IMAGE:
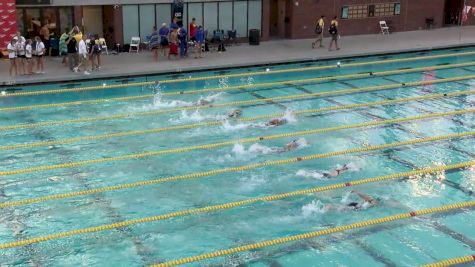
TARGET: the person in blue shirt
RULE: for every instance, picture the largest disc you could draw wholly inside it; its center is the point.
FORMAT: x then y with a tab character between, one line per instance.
182	36
200	41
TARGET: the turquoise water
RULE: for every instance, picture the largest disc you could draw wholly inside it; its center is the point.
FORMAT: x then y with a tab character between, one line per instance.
404	243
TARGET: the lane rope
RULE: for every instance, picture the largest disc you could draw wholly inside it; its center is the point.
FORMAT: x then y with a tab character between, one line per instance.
219	122
214	172
234	103
217	89
307	235
451	262
221	144
231	205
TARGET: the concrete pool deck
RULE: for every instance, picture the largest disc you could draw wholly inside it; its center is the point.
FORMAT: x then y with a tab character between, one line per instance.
276	51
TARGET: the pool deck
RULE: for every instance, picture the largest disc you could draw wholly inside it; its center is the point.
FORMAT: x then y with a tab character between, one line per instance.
276	51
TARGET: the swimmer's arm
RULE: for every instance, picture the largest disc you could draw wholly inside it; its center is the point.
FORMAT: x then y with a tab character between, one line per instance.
363	196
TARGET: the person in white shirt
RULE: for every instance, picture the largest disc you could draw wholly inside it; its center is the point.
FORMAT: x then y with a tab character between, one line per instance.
29	57
11	47
83	55
20	44
40	51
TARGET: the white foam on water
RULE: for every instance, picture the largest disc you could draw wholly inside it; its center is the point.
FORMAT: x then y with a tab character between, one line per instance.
251	183
260	149
227	127
345	197
196	116
314	207
289	116
211	98
309	174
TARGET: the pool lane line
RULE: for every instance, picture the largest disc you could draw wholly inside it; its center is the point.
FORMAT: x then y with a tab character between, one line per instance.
328	231
233	103
105	87
451	262
217	123
230	205
223	89
186	149
241	168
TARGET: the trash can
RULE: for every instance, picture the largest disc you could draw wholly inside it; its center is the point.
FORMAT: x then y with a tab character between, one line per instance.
254	37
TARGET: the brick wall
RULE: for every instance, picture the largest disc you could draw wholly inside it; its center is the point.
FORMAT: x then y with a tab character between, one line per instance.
304	13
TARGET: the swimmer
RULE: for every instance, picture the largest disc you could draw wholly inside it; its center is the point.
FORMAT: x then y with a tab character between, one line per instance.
295	144
368	201
276	122
202	102
235	113
337	171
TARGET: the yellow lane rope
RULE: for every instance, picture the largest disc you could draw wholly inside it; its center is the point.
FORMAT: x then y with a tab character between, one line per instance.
235	204
197	175
234	103
217	89
451	262
103	87
332	230
215	123
221	144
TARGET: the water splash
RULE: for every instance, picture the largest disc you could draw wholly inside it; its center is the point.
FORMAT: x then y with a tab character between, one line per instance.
346	196
227	127
196	116
314	207
428	184
310	174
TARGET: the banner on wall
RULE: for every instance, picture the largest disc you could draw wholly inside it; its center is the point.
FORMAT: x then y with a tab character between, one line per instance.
7	22
178	11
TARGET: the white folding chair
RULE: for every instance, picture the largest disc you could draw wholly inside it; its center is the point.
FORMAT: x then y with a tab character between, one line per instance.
103	44
384	27
134	42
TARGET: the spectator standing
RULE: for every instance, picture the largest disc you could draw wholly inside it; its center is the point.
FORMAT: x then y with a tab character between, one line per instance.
20	45
200	41
71	44
45	35
193	28
173	44
182	34
155	43
174	24
82	55
164	32
333	30
98	51
12	56
29	57
40	53
63	48
319	31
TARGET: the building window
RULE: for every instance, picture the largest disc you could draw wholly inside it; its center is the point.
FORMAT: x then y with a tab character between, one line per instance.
397	9
371	11
374	10
344	12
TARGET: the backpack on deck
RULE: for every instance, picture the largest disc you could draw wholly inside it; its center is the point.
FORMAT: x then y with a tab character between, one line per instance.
318	29
332	30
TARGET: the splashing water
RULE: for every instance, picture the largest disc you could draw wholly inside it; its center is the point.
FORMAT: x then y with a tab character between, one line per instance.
346	196
314	207
196	116
289	116
227	127
254	149
310	174
211	98
428	184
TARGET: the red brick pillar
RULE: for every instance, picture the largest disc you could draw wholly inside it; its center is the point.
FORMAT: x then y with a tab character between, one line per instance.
265	20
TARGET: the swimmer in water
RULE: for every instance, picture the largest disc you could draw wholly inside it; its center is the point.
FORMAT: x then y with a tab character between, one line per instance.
202	102
295	144
276	122
368	201
235	113
337	171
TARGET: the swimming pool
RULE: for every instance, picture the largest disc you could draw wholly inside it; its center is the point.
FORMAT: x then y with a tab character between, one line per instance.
130	172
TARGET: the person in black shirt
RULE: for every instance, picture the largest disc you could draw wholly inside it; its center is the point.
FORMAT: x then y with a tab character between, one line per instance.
72	51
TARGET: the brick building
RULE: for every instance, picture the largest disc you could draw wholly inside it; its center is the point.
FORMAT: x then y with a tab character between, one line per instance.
119	20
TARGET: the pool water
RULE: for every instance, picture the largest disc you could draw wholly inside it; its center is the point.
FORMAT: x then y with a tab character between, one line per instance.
42	168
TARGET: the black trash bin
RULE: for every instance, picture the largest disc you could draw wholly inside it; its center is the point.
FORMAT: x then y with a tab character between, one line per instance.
254	37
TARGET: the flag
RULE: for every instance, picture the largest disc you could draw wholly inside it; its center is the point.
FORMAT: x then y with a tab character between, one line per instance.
8	27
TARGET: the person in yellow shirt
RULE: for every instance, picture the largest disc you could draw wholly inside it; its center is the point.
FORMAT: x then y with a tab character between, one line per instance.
77	34
319	31
333	30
